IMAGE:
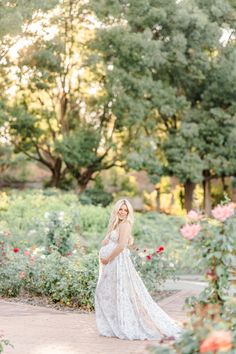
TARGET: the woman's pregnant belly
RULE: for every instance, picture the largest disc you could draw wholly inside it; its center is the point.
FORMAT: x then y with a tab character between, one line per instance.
105	251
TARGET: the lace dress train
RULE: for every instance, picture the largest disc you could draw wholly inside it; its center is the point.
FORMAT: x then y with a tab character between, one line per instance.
123	306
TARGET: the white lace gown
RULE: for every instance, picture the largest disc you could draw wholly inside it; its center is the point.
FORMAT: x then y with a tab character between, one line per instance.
123	306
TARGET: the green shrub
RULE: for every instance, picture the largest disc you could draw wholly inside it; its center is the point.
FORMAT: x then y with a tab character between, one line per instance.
153	264
58	234
23	221
96	197
69	280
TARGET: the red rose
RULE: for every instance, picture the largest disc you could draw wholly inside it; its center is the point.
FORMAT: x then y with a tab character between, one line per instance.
160	249
16	249
148	257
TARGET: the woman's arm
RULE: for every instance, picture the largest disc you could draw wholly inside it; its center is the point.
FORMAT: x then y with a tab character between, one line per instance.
124	234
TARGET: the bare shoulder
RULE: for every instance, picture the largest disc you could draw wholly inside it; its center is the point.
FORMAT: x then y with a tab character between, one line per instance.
125	227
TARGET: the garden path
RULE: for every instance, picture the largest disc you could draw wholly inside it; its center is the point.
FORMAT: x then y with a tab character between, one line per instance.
41	330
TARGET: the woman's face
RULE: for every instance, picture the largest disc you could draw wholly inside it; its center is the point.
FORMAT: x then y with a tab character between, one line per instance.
123	212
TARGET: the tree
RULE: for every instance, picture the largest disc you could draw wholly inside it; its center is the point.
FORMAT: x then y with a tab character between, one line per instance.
161	63
15	17
55	117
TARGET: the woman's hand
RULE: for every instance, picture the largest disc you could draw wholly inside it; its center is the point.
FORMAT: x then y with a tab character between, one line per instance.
104	261
105	242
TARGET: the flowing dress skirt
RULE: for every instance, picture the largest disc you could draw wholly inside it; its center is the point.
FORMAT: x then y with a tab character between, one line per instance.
123	306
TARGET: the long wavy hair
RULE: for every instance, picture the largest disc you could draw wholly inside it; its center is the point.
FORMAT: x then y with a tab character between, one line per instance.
114	218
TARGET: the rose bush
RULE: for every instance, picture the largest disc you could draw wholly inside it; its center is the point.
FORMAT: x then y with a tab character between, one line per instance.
47	236
215	238
68	280
23	224
153	264
212	325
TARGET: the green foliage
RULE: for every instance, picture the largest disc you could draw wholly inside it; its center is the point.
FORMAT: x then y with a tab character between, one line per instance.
216	243
206	322
172	81
80	147
4	342
58	234
153	264
96	195
26	229
14	14
61	279
71	279
212	326
53	117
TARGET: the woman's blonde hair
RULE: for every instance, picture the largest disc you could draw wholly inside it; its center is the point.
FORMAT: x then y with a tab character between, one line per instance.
114	219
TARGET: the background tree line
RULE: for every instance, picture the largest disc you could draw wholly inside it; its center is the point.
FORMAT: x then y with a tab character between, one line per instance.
145	85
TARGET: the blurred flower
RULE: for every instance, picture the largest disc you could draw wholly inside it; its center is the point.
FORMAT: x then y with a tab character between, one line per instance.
223	212
194	216
148	257
217	341
22	275
190	231
32	232
43	256
16	249
69	254
160	249
61	215
141	254
46	215
145	250
27	253
36	250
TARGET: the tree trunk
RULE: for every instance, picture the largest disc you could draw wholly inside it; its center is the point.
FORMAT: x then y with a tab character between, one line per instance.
83	181
56	174
188	194
207	191
225	187
158	199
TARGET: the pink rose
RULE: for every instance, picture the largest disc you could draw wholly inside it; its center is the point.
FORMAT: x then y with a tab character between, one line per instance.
217	341
189	231
193	216
27	253
223	212
22	275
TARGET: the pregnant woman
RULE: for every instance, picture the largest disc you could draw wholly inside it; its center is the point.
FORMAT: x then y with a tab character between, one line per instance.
123	306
